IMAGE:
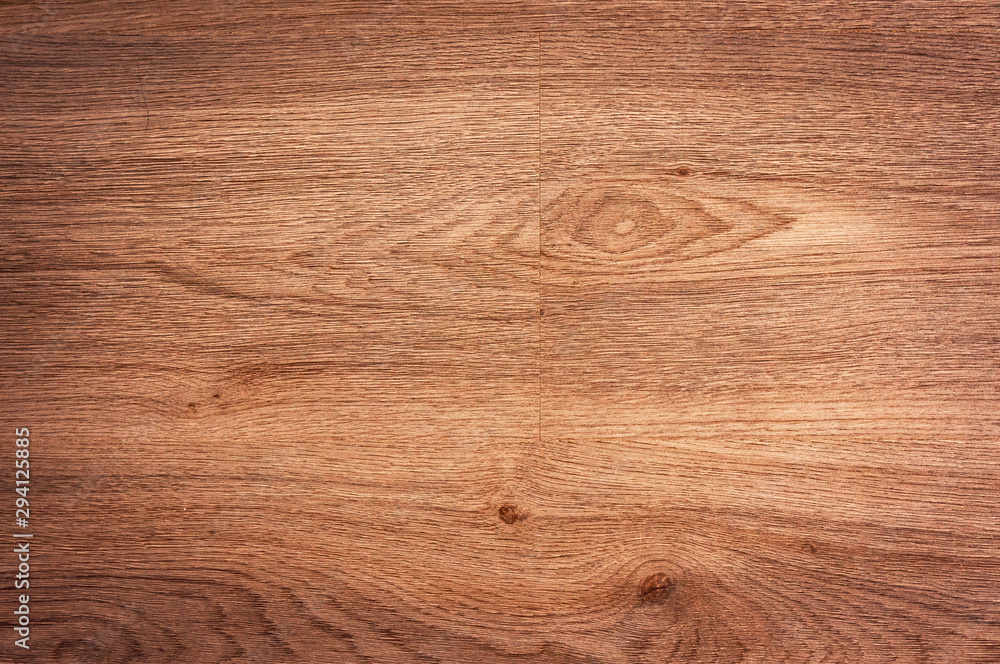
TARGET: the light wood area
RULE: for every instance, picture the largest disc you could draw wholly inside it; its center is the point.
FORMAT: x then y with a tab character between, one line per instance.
549	332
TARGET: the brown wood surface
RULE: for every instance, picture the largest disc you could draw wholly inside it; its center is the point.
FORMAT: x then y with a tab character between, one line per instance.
503	332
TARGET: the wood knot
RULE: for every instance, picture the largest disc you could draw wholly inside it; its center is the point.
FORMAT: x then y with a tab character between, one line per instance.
617	221
656	588
613	225
683	170
509	514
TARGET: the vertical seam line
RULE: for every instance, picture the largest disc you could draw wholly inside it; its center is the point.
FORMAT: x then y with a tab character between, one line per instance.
539	180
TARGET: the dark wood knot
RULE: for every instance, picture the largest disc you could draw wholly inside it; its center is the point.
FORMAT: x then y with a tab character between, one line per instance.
656	588
509	514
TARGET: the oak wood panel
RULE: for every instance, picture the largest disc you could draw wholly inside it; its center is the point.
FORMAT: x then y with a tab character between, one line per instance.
769	301
504	332
246	254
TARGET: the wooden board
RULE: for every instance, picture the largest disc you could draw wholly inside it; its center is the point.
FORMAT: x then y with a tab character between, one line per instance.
502	332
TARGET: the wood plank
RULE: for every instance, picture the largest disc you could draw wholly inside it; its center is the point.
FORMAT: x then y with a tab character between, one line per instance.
549	332
245	275
768	339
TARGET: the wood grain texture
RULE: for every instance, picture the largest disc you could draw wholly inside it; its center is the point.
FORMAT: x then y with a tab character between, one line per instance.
504	332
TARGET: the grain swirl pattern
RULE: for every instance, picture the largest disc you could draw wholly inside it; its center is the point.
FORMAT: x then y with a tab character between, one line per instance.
629	226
